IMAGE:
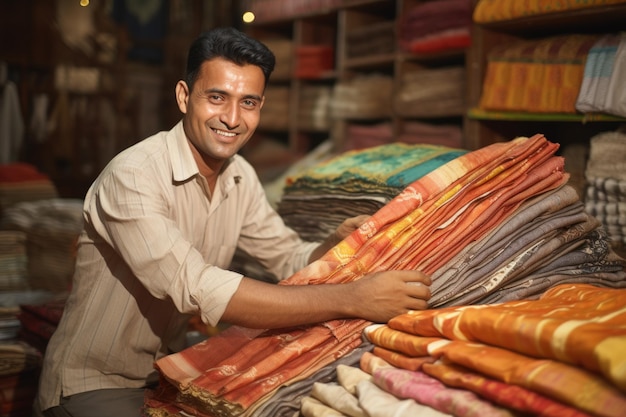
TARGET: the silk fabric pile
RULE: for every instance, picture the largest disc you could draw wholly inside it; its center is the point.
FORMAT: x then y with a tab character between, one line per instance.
445	221
560	355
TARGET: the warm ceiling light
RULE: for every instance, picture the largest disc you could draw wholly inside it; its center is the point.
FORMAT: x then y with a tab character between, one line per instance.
84	3
248	17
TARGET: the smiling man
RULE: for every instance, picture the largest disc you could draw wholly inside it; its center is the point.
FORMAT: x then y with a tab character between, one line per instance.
161	224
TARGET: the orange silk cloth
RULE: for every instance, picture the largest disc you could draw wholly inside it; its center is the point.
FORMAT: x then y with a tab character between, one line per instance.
569	345
422	228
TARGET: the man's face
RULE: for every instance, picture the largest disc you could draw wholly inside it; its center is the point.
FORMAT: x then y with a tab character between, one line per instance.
222	111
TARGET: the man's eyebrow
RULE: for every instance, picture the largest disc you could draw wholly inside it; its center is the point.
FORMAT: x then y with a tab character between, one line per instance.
225	93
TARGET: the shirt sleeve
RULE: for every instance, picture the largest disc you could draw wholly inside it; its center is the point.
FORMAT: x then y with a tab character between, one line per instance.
265	236
130	209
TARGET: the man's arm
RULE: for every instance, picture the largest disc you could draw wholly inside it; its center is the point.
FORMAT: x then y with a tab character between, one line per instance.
376	297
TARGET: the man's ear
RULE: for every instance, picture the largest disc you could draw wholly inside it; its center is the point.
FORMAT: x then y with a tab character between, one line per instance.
182	96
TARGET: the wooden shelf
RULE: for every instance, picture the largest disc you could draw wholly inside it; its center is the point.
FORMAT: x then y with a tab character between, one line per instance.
596	19
480	114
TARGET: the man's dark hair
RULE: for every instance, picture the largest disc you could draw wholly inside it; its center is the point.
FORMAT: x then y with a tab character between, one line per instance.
230	44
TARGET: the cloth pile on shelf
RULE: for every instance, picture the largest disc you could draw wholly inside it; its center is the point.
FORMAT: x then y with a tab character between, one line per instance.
521	75
13	261
449	216
533	357
436	26
39	321
317	200
52	227
605	196
360	136
604	77
20	365
313	107
431	93
372	39
487	11
275	111
314	61
363	97
23	182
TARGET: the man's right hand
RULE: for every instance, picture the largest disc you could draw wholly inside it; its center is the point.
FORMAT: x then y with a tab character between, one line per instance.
386	294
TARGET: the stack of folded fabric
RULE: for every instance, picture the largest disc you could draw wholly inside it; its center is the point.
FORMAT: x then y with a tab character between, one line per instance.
438	92
605	196
23	182
434	134
371	39
521	75
52	227
20	365
604	75
534	357
362	181
465	202
487	11
313	110
13	261
363	97
39	321
436	26
275	112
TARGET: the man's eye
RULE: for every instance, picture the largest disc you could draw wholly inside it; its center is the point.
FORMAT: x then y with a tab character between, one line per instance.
249	103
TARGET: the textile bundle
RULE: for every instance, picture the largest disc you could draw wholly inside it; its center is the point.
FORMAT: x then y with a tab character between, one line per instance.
487	11
606	184
521	76
604	75
431	93
355	182
425	227
19	374
436	26
23	182
276	108
560	355
52	227
360	137
363	97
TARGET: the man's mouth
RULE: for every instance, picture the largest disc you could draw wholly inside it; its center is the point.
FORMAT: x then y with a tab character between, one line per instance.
224	133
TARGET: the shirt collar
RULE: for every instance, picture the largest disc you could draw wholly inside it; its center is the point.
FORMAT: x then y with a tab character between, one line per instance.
184	166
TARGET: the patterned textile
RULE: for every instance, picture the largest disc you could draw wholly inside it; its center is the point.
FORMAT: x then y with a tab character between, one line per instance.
605	74
431	92
359	181
435	26
539	76
418	229
564	343
606	184
498	10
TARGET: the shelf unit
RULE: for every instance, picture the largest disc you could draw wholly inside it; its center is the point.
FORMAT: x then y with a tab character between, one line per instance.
486	127
332	24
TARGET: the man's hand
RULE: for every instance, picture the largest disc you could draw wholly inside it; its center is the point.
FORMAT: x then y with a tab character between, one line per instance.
343	231
387	294
348	226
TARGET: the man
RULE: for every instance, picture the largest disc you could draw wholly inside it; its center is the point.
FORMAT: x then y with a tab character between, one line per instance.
162	222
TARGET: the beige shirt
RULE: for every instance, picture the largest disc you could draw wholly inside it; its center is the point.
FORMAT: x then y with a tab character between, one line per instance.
153	251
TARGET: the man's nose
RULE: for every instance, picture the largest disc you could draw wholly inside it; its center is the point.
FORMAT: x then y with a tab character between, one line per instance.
231	115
